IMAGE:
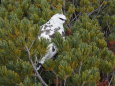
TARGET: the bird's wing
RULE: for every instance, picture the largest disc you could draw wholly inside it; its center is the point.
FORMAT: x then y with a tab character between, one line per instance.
47	26
46	30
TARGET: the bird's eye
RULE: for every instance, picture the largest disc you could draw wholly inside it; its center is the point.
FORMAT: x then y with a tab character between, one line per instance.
62	19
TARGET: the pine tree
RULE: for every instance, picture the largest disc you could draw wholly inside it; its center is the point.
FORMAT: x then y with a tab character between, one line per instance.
82	56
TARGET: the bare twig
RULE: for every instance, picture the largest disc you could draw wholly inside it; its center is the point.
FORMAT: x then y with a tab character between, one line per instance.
111	79
83	84
75	18
95	10
65	82
63	6
33	42
57	83
73	2
80	68
37	74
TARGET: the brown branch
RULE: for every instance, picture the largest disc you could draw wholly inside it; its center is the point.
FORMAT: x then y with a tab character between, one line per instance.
37	74
57	80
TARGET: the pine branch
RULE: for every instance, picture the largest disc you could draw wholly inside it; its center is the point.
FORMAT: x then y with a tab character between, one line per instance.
37	74
96	10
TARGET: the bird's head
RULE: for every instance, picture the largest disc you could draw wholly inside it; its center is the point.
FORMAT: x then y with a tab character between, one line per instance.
59	18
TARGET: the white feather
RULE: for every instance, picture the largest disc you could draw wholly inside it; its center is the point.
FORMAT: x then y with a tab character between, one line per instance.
55	24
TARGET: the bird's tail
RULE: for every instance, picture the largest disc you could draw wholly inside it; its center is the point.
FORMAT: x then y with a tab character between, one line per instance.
39	66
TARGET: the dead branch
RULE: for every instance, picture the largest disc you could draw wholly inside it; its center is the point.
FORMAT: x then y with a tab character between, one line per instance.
37	74
95	10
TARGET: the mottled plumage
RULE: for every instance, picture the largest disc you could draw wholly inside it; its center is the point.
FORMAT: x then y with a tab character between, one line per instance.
55	24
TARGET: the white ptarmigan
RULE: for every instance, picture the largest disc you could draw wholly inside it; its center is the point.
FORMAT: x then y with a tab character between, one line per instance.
55	24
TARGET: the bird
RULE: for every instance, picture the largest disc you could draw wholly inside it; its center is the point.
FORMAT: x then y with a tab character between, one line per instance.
47	31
